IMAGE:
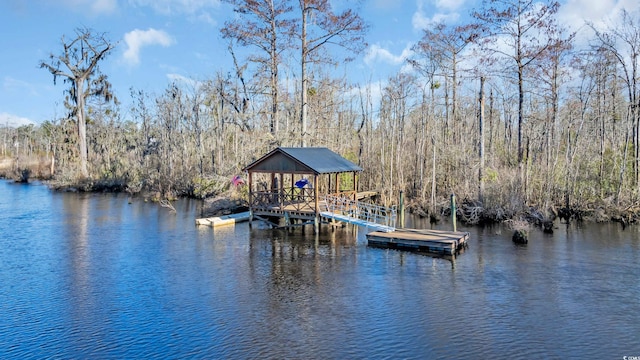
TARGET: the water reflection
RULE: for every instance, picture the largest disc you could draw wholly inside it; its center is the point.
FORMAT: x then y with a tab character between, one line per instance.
94	276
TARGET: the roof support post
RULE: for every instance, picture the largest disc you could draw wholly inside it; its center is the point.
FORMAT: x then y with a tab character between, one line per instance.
355	186
250	198
281	194
292	189
316	223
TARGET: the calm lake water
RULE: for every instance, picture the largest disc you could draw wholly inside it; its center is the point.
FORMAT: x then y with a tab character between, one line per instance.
94	276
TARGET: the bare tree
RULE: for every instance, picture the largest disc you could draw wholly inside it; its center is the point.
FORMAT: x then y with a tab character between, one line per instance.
481	142
267	26
622	40
519	31
319	27
440	49
551	71
80	57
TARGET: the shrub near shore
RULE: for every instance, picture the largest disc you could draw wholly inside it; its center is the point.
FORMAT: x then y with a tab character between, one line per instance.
473	213
215	191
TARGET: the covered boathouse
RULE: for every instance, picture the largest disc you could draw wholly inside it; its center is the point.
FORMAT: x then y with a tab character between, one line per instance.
291	183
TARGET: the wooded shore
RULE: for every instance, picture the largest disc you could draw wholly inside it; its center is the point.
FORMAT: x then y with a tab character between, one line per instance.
508	111
231	200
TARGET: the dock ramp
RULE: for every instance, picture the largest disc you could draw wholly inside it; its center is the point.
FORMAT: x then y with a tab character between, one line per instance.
379	218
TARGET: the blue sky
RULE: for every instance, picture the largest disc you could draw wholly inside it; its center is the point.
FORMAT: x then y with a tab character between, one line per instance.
160	41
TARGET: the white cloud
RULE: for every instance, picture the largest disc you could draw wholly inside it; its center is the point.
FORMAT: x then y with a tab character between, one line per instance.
168	7
104	6
12	84
447	13
205	17
602	14
407	69
137	39
180	79
94	7
377	53
193	10
451	5
420	21
370	93
14	120
574	13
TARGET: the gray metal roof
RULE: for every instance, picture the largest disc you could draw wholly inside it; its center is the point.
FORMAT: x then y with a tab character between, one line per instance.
317	160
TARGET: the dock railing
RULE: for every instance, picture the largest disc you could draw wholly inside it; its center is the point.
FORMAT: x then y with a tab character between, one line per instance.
371	213
296	199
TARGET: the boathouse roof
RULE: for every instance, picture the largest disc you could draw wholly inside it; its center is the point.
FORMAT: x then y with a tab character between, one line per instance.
307	160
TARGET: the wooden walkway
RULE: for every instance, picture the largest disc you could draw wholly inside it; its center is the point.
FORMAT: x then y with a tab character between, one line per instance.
434	241
356	221
343	209
360	213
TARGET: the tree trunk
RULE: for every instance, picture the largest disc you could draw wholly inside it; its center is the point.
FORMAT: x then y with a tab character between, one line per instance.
274	84
520	124
303	97
82	126
454	93
481	147
433	175
491	120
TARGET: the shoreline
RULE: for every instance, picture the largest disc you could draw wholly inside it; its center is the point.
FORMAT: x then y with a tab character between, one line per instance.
468	212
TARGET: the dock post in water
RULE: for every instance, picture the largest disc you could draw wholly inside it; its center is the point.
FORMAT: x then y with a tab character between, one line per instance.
401	208
453	211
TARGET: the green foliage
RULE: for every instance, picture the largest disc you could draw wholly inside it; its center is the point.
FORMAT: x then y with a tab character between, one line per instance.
351	156
206	187
242	192
490	175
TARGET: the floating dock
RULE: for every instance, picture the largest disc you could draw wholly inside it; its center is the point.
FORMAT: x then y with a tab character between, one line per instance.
433	241
230	219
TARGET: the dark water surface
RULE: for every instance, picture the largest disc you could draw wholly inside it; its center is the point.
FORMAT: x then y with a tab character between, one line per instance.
93	276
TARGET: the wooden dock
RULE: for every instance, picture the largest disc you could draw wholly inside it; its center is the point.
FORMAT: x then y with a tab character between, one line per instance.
433	241
230	219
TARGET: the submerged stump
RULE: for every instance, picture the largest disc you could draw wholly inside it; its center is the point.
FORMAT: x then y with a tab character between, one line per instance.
520	237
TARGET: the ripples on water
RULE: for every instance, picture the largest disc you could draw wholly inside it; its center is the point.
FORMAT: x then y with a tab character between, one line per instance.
92	276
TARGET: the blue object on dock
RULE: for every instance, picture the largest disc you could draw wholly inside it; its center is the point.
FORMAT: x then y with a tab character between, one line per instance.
302	183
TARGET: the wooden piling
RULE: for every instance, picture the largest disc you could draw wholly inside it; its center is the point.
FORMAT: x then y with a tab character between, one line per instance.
453	211
401	208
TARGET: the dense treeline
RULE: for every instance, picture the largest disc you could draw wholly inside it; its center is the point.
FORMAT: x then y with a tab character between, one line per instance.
510	112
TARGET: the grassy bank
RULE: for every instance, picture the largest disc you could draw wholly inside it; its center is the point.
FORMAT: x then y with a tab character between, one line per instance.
26	168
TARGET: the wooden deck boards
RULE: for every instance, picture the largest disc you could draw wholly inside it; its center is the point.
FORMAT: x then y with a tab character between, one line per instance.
432	241
437	241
